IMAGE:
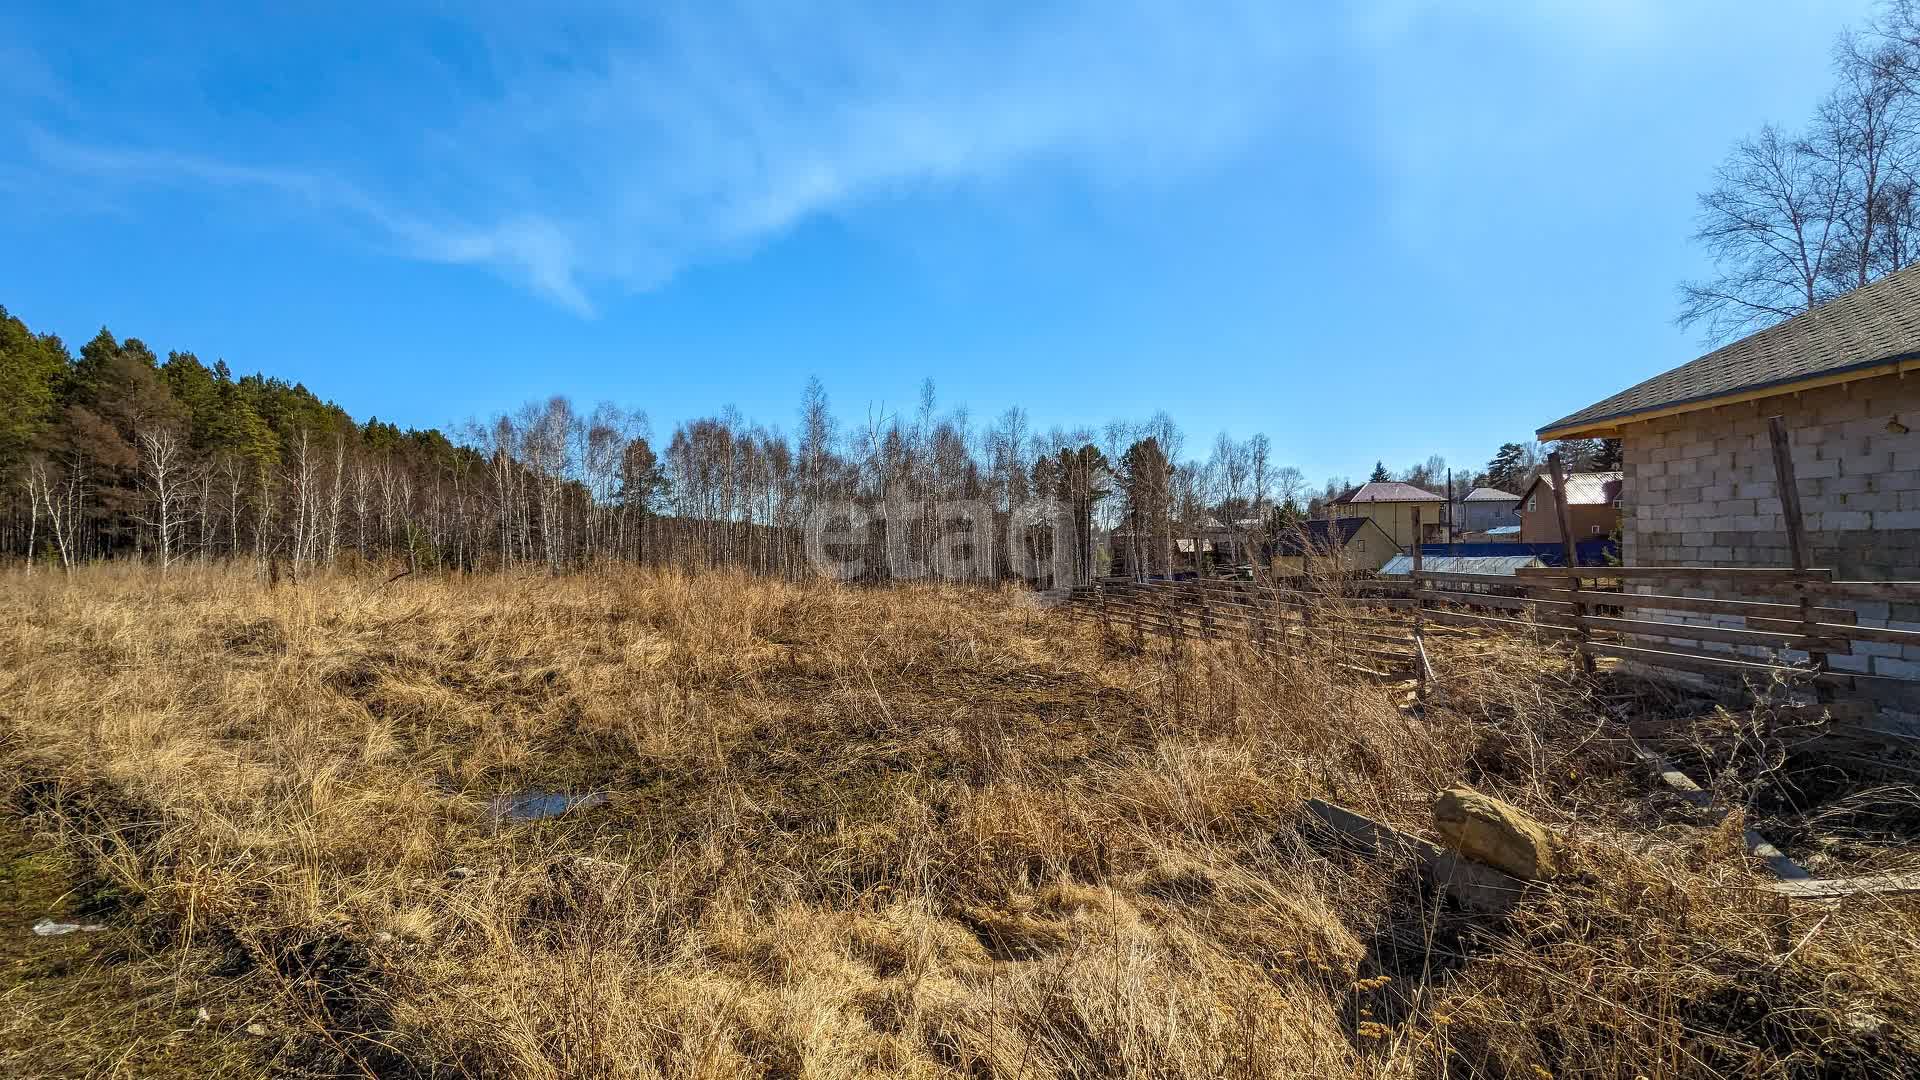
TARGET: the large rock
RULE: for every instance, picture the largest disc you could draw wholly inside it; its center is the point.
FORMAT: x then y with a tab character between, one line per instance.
1489	831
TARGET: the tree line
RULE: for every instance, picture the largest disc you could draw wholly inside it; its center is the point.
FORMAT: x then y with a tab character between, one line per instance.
118	453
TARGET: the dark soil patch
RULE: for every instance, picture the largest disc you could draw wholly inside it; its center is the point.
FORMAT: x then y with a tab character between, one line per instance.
92	1003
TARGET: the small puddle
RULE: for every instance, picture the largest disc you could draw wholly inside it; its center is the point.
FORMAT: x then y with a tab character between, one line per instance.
539	805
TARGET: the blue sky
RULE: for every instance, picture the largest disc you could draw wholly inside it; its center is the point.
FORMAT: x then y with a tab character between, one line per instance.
1414	228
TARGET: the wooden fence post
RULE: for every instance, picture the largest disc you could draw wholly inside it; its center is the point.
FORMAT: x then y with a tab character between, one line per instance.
1419	632
1572	554
1306	620
1176	619
1783	479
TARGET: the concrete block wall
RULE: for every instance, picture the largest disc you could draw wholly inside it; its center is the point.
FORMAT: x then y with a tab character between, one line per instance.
1700	491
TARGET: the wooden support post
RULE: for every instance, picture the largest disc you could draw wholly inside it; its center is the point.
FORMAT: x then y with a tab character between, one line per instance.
1176	620
1571	553
1419	631
1783	479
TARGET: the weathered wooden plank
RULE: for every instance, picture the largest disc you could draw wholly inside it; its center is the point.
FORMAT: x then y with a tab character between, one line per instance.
1845	632
1707	604
1893	883
1784	639
1891	591
1381	658
1461	618
1386	635
1393	672
1856	681
1747	574
1488	600
1691	661
1469	579
1389	603
1838	713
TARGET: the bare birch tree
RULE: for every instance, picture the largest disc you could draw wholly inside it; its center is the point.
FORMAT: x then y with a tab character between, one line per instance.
1771	225
166	479
1793	220
63	491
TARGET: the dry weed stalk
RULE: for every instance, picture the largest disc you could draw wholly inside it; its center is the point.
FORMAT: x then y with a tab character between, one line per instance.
911	831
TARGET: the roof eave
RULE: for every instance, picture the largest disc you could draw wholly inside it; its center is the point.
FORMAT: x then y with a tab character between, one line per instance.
1609	425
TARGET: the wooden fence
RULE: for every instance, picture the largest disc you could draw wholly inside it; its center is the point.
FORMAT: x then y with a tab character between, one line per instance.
1586	608
1376	632
1783	623
1769	624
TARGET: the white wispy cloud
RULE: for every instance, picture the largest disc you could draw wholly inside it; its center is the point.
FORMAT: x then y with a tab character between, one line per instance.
532	250
601	150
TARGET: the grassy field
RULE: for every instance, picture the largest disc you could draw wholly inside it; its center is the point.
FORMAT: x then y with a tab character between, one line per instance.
918	831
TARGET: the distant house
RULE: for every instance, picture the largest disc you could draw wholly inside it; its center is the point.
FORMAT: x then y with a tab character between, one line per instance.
1199	546
1485	509
1593	507
1392	505
1350	545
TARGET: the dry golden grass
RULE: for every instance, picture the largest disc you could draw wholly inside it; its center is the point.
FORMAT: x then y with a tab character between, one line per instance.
917	831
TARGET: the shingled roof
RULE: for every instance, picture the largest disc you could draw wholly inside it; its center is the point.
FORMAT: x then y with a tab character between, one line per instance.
1874	327
1323	534
1389	491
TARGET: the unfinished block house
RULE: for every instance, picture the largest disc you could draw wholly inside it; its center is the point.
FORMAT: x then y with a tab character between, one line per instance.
1698	488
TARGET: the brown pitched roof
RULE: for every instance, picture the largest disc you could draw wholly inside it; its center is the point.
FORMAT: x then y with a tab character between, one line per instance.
1389	491
1874	326
1586	488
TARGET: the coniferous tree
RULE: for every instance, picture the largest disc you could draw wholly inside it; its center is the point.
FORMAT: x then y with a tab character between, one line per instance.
114	453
